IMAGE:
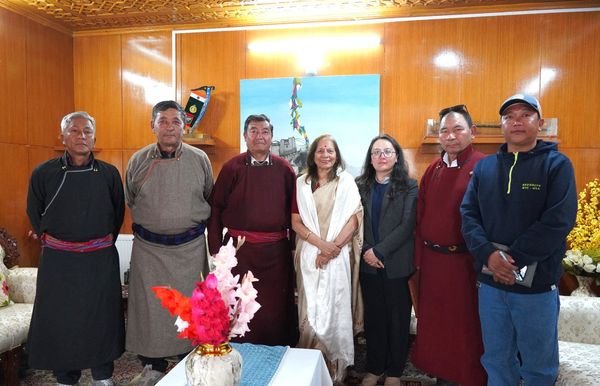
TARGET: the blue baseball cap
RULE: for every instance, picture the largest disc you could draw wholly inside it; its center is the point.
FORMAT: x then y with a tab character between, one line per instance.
525	99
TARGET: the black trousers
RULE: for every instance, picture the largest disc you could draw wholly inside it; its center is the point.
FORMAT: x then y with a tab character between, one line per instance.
387	305
71	377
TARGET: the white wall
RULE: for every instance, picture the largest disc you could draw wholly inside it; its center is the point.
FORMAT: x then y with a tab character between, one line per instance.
124	243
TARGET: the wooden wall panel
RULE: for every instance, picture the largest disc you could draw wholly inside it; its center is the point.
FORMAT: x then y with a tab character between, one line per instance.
345	62
97	86
402	85
586	163
570	47
215	59
13	197
146	71
499	62
36	76
417	162
490	69
13	77
114	157
50	83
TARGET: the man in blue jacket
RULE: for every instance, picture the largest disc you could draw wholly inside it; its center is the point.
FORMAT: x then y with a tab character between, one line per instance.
518	209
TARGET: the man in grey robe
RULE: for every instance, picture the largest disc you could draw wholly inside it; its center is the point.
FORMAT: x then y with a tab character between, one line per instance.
167	186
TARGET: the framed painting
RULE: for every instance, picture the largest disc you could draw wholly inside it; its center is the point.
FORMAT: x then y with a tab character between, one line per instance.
301	109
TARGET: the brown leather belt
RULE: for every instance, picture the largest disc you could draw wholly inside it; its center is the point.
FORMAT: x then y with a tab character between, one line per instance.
447	249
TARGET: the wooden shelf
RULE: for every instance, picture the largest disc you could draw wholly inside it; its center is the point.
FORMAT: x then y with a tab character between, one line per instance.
493	139
199	141
489	143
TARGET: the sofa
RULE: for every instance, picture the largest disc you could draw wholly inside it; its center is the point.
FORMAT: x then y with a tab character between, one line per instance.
15	314
579	341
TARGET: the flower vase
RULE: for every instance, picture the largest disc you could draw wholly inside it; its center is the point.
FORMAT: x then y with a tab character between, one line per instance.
585	286
210	365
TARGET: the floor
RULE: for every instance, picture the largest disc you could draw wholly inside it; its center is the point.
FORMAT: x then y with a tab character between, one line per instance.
127	366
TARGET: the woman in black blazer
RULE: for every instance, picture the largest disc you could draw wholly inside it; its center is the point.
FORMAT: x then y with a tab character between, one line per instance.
389	199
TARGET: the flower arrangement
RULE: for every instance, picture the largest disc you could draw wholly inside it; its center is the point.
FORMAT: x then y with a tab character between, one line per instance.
220	307
583	257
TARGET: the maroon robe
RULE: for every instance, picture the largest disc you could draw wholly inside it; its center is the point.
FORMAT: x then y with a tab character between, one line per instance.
258	199
448	343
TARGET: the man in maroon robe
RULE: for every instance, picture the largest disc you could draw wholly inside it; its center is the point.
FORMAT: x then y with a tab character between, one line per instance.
252	198
448	343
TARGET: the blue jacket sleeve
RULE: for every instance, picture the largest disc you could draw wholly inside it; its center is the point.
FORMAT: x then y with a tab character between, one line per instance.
472	224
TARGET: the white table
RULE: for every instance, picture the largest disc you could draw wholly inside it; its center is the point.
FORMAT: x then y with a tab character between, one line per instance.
299	367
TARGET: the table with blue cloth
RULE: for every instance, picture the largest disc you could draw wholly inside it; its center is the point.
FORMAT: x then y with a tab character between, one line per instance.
269	365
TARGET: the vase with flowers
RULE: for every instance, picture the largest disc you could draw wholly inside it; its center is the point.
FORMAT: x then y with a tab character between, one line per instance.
583	258
220	308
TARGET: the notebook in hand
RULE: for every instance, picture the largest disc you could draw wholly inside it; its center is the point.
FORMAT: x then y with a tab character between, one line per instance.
524	276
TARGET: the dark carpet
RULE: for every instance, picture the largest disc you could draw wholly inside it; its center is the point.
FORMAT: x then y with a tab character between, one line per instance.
127	367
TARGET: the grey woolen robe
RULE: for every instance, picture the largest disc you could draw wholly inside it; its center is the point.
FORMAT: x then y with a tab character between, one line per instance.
166	196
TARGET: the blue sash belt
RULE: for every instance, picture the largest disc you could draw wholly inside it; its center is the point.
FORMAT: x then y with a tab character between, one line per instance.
177	239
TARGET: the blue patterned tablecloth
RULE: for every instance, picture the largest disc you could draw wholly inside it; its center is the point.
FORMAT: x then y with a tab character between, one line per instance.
260	362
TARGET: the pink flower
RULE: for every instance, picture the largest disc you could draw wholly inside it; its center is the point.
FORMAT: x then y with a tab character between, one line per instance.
5	288
210	316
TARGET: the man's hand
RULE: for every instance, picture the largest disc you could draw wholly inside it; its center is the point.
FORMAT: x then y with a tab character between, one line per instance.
371	259
503	270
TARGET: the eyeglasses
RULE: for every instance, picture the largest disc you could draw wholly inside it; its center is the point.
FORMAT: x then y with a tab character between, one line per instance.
453	109
386	153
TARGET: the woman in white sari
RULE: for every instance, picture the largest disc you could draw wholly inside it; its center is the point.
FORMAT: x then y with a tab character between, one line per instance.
328	224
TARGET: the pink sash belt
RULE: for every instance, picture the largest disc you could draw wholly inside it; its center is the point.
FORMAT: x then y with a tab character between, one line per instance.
259	237
82	246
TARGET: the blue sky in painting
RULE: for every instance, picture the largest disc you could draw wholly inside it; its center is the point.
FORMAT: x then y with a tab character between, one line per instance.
346	107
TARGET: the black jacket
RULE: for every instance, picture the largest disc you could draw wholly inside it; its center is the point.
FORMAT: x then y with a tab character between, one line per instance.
396	231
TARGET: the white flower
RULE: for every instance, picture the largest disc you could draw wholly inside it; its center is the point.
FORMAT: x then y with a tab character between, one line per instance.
247	305
240	297
181	324
578	263
224	261
572	252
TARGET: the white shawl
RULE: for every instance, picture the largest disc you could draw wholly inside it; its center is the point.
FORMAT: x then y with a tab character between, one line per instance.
328	291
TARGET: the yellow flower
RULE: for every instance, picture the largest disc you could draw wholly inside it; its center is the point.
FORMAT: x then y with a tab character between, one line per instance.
585	236
584	239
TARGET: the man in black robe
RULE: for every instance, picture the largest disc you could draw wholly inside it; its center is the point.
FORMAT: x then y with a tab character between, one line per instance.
75	204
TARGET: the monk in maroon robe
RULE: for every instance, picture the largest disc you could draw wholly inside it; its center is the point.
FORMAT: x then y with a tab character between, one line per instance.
448	343
252	198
